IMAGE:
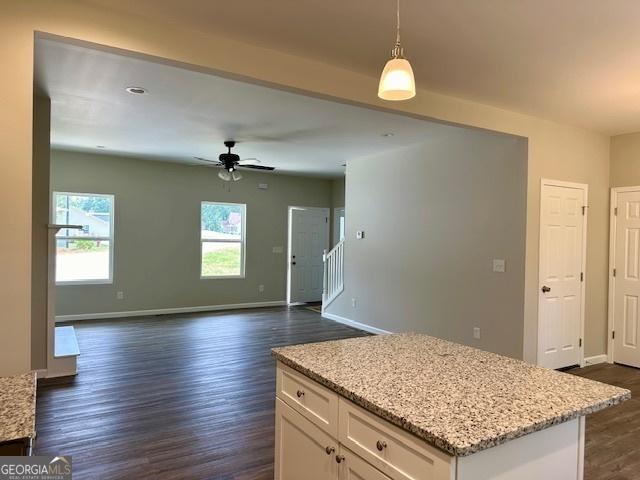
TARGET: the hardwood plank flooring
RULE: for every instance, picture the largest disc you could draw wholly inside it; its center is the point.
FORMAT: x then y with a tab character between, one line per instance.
192	397
174	397
612	443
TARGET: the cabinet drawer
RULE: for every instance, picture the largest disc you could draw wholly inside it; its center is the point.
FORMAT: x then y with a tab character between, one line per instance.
395	452
309	398
353	467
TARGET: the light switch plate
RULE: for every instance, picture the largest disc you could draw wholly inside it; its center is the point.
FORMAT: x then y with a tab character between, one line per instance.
277	250
263	186
499	265
360	234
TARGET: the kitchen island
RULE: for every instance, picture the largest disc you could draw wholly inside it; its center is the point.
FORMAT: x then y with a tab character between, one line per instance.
410	407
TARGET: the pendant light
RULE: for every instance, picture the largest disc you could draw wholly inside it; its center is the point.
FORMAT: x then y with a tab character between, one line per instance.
396	81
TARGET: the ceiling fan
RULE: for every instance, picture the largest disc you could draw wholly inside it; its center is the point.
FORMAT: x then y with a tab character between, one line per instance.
230	162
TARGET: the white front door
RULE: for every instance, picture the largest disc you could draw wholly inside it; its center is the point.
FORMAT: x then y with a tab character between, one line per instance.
308	238
626	282
562	250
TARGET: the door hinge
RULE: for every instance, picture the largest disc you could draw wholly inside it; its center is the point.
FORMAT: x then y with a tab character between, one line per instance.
613	334
582	276
615	211
580	343
614	272
326	219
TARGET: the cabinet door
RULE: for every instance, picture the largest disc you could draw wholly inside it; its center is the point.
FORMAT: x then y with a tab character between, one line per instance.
303	451
352	467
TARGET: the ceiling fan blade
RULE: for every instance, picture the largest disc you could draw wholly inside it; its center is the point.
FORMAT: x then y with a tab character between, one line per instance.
257	167
206	160
248	161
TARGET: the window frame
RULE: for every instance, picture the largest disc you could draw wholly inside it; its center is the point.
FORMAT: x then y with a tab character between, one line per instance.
110	238
242	241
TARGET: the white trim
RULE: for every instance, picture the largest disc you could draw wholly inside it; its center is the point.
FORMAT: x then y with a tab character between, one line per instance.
579	186
110	238
354	324
612	262
336	224
242	241
166	311
595	359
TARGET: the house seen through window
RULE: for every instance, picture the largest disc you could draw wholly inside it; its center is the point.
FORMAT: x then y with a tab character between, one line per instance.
222	239
84	255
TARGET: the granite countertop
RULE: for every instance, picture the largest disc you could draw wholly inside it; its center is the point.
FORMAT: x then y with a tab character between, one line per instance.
457	398
17	407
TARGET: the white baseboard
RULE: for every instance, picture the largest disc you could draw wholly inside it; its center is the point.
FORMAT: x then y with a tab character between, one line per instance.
166	311
354	324
595	359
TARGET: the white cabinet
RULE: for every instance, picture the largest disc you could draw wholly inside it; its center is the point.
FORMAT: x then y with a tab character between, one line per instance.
322	436
303	451
352	467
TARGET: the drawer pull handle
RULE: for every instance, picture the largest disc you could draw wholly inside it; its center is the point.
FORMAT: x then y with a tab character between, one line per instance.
339	458
381	445
300	393
330	450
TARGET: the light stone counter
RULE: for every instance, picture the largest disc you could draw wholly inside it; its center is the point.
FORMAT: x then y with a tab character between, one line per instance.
457	398
17	407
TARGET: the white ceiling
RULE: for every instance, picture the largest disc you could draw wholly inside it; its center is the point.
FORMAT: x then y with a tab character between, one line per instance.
188	114
576	61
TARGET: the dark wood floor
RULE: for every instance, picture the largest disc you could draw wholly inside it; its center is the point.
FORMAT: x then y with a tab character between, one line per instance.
186	396
192	397
612	446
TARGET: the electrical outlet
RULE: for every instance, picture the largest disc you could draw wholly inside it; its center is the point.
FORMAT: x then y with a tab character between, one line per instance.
499	265
261	288
120	295
353	302
476	333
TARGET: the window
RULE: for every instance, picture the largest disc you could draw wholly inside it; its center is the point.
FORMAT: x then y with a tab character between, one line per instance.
84	255
222	236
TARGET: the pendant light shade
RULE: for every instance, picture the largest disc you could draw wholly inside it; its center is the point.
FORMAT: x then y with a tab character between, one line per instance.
224	175
397	81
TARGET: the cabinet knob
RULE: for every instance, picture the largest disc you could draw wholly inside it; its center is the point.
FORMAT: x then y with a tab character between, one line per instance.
300	393
381	445
329	450
340	458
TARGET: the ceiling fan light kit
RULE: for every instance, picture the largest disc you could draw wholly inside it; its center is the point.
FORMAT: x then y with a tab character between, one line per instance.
397	81
230	162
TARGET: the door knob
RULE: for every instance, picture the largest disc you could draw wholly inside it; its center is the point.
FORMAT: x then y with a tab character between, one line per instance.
293	263
546	289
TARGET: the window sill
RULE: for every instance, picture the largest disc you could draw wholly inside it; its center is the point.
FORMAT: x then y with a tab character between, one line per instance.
220	277
84	282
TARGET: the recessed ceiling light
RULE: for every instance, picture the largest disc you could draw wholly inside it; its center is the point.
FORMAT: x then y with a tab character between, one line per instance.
137	90
388	134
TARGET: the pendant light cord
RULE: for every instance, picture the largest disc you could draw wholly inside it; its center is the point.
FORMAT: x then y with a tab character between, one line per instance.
397	49
398	23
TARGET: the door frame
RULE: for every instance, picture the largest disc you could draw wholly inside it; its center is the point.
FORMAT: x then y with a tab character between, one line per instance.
336	225
290	209
585	188
612	260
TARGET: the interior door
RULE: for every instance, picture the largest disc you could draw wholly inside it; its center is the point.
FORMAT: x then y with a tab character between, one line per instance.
627	279
303	451
562	225
309	237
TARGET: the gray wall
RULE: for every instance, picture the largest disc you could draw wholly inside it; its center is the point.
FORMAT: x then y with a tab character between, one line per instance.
157	222
439	217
